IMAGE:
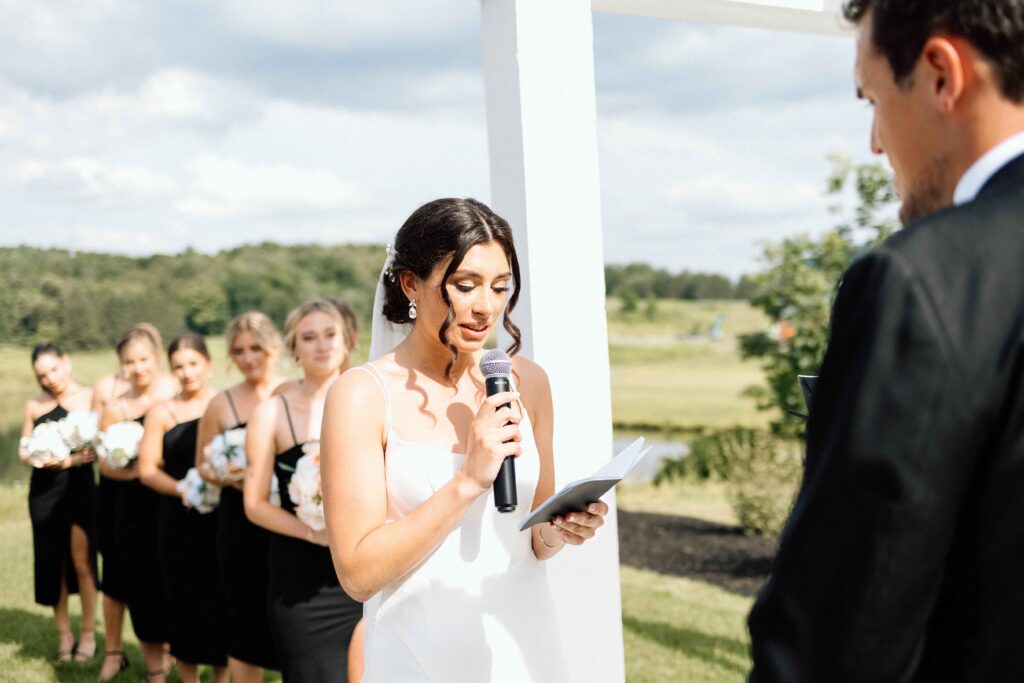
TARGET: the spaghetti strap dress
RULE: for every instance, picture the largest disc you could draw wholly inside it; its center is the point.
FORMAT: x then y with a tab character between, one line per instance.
188	542
477	608
136	531
58	500
311	615
242	549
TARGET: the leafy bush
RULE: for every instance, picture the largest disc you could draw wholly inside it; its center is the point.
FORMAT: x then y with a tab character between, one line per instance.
761	472
800	282
766	474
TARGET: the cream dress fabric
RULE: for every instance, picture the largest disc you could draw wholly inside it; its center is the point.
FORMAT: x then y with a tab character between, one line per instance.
478	608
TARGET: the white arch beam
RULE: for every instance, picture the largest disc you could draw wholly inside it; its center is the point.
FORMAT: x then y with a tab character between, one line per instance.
800	16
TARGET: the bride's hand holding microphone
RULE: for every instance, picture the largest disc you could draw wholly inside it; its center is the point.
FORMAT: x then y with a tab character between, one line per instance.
493	436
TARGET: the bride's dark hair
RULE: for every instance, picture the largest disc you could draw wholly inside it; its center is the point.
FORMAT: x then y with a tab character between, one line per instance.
434	232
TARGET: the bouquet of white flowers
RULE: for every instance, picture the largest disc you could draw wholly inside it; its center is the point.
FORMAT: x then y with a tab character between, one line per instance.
197	493
304	488
80	429
225	455
119	445
46	445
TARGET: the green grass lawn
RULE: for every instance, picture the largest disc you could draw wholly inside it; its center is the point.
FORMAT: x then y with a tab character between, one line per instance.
703	500
677	629
674	629
664	376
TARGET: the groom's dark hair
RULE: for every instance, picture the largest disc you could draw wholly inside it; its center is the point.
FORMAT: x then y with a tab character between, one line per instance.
442	229
900	29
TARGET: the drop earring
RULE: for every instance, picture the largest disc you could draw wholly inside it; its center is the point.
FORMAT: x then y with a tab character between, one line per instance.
412	309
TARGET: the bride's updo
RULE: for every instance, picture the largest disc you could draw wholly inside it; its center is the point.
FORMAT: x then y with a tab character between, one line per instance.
434	232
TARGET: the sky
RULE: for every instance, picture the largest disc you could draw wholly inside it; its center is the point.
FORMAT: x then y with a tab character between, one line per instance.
143	127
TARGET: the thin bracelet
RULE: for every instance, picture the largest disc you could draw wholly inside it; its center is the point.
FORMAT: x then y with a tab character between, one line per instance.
540	532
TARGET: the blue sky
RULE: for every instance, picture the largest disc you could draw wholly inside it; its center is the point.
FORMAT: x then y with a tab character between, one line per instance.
150	127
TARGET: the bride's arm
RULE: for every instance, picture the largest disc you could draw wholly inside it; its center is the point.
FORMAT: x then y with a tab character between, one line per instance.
549	538
369	553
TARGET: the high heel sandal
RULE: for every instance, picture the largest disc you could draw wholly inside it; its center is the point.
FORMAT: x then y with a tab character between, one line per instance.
64	656
78	655
122	665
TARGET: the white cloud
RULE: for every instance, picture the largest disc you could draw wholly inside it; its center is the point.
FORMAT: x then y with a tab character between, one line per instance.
680	46
154	126
724	195
87	178
227	188
327	24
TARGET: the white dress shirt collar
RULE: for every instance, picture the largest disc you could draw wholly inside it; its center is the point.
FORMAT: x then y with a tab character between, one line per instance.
987	166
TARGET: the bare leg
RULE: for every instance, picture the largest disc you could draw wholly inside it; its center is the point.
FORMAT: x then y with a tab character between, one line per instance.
220	674
189	672
243	672
153	654
86	592
113	625
355	654
65	638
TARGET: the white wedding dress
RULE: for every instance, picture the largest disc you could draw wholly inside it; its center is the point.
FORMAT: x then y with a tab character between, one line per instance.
478	608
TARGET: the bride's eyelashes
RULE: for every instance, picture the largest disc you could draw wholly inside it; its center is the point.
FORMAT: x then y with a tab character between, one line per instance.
466	288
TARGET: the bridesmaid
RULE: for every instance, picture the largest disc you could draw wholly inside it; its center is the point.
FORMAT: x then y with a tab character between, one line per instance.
311	617
186	538
61	503
111	387
254	346
125	510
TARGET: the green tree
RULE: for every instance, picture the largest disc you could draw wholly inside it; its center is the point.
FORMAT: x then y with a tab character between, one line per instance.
799	285
205	306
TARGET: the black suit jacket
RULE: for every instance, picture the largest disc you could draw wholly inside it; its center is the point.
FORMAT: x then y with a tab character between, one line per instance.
903	559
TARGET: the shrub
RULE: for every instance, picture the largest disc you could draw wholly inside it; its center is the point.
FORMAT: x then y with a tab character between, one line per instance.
761	472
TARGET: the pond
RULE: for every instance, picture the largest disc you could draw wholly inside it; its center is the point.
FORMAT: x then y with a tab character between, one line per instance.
661	449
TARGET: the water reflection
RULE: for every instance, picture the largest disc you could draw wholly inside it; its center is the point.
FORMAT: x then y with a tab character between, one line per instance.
660	450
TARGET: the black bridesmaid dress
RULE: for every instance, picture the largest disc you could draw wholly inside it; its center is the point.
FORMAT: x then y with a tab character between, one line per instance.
242	549
188	541
58	500
114	580
311	616
136	533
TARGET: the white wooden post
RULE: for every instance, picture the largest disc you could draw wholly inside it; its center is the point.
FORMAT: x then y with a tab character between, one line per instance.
541	120
541	117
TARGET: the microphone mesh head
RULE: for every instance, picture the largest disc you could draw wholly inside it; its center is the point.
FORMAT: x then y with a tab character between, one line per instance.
496	363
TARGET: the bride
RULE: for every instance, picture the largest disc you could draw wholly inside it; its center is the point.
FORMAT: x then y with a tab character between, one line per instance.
410	448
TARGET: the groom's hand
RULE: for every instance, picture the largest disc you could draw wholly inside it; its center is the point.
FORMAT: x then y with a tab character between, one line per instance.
577	527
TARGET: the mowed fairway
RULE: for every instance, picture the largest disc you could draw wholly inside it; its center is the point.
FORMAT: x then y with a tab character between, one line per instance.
668	373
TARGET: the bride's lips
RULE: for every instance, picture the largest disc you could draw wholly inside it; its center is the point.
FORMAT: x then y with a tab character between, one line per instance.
478	332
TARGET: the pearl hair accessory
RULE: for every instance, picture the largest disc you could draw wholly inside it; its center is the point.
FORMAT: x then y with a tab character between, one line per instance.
389	261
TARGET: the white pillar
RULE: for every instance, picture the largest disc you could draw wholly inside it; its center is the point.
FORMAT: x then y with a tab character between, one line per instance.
541	119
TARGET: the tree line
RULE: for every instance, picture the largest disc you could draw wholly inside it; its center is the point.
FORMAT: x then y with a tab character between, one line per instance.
643	281
83	300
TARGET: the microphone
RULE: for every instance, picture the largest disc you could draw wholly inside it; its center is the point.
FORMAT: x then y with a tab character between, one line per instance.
496	367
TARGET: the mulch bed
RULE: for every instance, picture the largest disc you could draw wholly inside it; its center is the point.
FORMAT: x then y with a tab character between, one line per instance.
683	546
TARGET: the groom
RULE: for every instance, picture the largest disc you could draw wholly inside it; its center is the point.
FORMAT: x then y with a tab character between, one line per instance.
903	559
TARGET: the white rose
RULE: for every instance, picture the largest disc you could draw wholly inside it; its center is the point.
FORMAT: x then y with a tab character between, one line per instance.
46	444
